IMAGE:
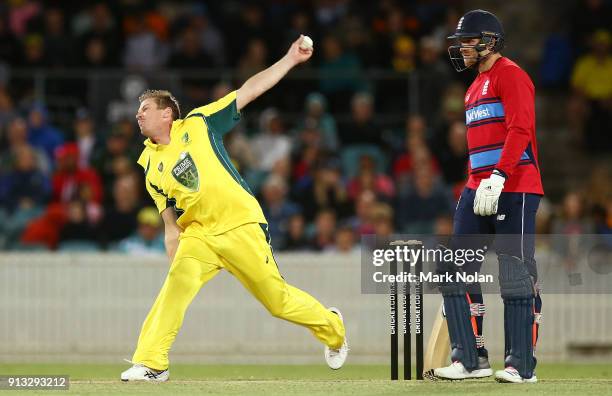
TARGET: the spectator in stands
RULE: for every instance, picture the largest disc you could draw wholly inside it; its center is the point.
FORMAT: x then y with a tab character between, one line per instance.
24	190
271	144
98	24
368	178
382	219
362	223
452	110
24	186
325	190
316	115
254	60
58	42
415	150
325	230
17	137
118	149
41	134
362	128
341	74
453	155
251	20
148	238
443	225
70	180
33	51
190	56
572	220
421	201
296	239
44	231
592	82
211	38
277	208
9	45
143	49
120	218
96	54
77	226
587	17
86	139
7	108
434	76
345	241
404	54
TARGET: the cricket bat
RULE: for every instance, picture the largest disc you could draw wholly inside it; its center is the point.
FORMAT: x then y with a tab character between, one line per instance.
438	345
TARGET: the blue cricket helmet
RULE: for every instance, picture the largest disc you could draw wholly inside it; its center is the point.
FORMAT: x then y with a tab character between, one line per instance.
479	24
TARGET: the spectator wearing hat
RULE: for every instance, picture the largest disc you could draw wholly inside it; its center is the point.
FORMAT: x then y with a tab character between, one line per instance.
148	238
70	181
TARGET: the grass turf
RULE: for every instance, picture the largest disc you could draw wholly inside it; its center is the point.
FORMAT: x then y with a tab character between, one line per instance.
354	380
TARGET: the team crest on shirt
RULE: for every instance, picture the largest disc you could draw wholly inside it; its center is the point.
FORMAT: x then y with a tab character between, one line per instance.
186	173
485	88
185	139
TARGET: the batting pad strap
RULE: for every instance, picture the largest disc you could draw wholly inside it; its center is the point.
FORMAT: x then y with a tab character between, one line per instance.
480	341
477	309
537	318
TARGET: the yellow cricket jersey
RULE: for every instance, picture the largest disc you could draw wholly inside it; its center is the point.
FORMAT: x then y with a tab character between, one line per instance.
194	174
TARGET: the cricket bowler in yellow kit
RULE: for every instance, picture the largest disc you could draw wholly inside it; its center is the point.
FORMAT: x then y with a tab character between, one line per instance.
213	221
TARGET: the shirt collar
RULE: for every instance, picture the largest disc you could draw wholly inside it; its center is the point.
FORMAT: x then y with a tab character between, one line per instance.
157	147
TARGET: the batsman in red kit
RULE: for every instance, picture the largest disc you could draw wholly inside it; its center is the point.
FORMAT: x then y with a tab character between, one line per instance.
501	197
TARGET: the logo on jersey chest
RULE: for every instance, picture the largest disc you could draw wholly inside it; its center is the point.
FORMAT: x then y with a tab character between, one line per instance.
186	139
485	88
186	173
477	113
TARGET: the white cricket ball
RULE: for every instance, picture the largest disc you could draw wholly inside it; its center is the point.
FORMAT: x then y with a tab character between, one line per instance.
306	43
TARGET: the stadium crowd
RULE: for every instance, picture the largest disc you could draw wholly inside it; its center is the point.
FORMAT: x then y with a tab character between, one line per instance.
325	155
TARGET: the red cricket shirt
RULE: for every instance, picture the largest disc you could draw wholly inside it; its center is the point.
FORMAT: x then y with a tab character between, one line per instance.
500	119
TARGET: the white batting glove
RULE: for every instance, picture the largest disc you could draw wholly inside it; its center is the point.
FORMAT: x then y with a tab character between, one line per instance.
487	195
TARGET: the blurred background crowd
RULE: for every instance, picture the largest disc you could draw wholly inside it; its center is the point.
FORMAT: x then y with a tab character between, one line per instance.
367	138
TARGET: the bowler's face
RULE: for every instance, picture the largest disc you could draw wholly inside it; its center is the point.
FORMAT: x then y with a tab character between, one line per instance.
149	117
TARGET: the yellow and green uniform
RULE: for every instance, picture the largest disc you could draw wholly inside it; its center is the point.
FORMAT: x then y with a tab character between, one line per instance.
218	213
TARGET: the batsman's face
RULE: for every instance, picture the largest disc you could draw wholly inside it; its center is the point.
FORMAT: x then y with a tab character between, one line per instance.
469	53
150	117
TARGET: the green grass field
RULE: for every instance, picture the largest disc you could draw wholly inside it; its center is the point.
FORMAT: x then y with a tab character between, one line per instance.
354	380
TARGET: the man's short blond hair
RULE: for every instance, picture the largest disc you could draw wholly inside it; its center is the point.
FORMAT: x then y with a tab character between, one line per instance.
163	99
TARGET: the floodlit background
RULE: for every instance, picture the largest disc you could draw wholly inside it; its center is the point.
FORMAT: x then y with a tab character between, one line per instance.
367	137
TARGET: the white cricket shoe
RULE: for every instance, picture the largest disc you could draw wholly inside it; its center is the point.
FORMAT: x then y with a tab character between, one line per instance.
456	371
510	375
335	358
140	372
